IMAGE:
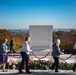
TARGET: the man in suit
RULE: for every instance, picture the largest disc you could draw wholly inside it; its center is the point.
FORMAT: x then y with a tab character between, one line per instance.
56	53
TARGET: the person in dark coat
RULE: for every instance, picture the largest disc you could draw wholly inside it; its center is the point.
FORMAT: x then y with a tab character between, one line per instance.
56	53
74	53
11	45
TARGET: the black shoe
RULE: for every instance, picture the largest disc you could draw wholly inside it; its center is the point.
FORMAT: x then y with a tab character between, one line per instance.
28	72
20	72
73	69
56	71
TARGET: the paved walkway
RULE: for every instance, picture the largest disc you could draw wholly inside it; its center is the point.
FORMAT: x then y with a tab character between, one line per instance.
39	72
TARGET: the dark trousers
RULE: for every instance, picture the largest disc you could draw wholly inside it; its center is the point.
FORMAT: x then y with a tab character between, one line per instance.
55	64
74	66
25	60
11	48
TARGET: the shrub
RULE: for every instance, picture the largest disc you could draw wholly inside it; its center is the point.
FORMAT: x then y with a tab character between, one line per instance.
44	65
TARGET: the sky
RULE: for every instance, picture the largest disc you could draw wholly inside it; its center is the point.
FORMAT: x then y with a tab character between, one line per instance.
19	14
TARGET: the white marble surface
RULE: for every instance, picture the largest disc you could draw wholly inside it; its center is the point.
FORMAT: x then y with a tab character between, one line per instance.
41	36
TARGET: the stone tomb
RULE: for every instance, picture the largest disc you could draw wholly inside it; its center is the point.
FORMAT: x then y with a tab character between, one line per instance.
41	37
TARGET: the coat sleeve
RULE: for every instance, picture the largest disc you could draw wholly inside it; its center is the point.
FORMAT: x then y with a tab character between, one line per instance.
58	50
4	48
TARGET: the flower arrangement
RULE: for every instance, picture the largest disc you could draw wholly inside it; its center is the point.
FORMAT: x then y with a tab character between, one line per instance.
30	61
12	63
38	64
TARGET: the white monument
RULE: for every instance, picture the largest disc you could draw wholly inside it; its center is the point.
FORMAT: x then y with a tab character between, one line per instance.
41	37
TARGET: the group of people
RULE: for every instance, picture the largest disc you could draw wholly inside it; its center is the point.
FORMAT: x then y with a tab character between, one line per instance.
25	55
55	53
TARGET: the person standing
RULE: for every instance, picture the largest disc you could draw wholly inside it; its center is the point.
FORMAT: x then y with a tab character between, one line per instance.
3	54
74	53
11	45
56	53
25	55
